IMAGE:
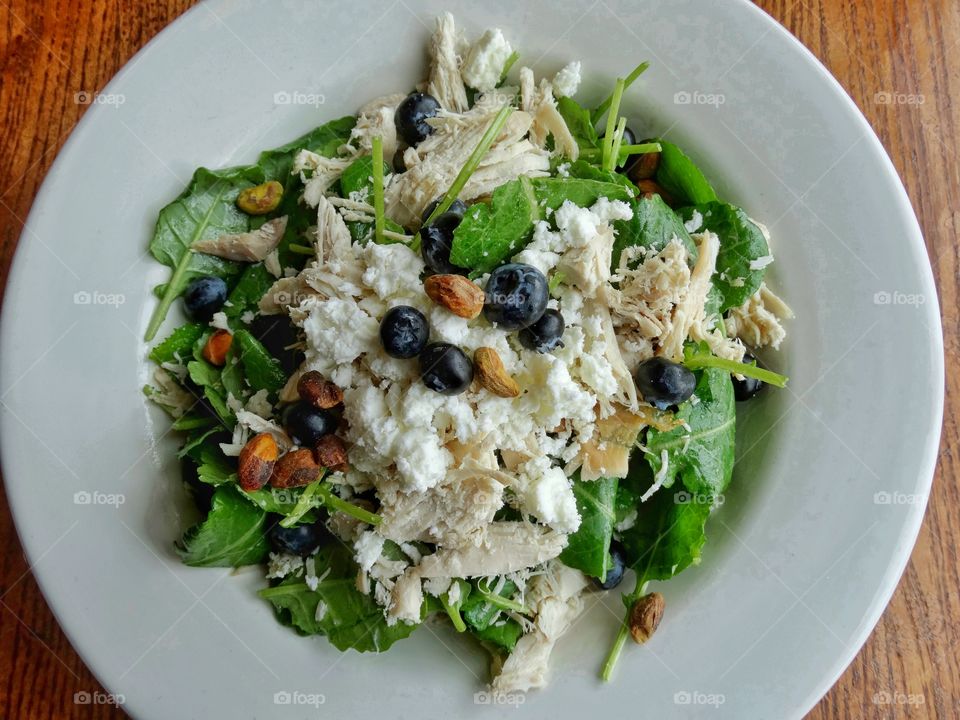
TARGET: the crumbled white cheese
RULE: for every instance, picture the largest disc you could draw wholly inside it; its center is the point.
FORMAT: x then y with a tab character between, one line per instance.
695	222
367	549
761	262
567	81
393	271
338	332
321	611
280	565
548	495
219	321
483	66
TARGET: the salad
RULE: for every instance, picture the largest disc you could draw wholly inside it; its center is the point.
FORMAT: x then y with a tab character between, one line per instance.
469	357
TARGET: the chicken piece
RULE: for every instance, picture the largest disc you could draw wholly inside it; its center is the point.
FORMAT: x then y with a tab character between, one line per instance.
547	120
332	236
447	514
445	83
251	246
169	395
376	119
607	453
284	293
503	547
406	599
627	389
528	90
588	266
442	155
758	322
556	597
689	312
318	173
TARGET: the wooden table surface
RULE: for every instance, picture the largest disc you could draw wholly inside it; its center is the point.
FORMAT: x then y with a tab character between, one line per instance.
879	50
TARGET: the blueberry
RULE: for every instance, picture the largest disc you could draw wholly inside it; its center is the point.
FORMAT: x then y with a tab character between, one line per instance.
404	332
516	296
279	335
306	424
411	117
663	383
458	207
301	540
617	568
436	239
204	296
748	387
544	335
445	369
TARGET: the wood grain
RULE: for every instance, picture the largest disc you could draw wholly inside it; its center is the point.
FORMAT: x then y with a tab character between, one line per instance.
52	50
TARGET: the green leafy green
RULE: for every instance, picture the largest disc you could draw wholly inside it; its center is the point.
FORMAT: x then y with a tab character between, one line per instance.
357	180
702	457
245	296
232	535
179	344
214	468
263	371
502	634
489	234
681	178
741	244
579	122
698	356
324	140
482	607
653	226
588	549
209	379
350	618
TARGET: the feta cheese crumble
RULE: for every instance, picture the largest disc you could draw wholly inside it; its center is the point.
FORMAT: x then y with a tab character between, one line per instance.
484	64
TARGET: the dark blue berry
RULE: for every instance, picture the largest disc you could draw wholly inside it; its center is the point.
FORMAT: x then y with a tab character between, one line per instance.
458	207
748	387
301	540
618	567
411	117
436	240
204	296
544	335
663	383
445	369
404	332
306	424
517	296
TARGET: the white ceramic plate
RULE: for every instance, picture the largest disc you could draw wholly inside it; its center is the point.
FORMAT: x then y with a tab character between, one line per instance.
832	477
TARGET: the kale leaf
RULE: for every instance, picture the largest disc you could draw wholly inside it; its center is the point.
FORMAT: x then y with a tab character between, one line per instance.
232	535
588	549
490	234
741	243
263	371
350	618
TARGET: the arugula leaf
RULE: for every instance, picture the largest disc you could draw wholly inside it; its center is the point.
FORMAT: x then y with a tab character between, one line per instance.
579	122
214	468
587	171
263	371
206	209
588	549
584	192
503	634
653	226
702	456
681	178
252	285
232	535
741	243
350	620
489	234
208	378
668	535
179	344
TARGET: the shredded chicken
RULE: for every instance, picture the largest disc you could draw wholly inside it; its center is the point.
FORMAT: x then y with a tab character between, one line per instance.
547	120
689	312
556	596
375	119
318	173
251	246
442	155
445	83
758	322
168	394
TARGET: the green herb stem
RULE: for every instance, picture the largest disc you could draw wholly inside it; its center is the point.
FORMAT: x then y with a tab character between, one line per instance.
502	602
625	151
699	361
333	502
453	612
169	295
468	169
378	215
617	141
624	631
305	503
628	81
608	137
300	249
